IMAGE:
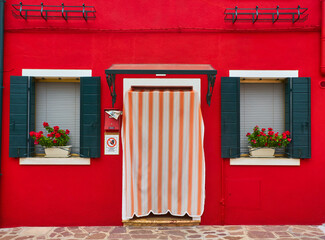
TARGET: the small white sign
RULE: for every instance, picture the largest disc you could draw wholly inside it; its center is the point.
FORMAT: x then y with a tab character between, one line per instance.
112	144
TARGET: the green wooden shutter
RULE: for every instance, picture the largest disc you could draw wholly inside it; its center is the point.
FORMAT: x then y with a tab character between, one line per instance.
22	116
297	114
230	117
90	117
32	116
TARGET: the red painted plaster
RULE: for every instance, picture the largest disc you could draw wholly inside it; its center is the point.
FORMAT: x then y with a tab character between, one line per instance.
164	32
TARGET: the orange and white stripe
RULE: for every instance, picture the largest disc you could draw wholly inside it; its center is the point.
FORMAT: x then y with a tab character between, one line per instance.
163	157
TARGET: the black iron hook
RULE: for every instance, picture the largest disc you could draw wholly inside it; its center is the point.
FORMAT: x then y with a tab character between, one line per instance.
65	17
84	14
254	20
42	9
277	14
236	14
21	9
293	16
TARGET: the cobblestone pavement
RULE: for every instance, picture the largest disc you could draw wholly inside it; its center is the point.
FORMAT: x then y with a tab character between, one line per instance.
197	232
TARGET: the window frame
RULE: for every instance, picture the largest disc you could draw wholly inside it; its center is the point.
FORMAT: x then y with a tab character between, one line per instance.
259	75
257	82
48	74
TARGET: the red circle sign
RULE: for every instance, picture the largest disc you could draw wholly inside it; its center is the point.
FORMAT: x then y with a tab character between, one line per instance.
111	142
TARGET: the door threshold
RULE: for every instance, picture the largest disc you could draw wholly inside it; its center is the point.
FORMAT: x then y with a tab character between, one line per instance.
161	220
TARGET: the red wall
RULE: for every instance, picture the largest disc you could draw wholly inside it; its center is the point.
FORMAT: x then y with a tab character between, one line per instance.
165	31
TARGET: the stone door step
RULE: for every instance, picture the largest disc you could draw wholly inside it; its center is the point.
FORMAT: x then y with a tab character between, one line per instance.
161	220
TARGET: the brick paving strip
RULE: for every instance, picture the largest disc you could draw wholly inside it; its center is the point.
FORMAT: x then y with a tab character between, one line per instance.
254	232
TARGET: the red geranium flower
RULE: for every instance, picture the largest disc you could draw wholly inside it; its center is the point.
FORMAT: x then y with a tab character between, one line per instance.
57	135
267	139
54	141
287	132
289	139
45	124
56	128
67	132
35	142
32	133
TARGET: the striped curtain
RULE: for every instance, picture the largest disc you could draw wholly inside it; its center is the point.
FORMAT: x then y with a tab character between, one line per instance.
163	157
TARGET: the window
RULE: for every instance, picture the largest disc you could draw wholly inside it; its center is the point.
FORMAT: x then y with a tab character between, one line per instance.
296	115
261	104
26	113
58	103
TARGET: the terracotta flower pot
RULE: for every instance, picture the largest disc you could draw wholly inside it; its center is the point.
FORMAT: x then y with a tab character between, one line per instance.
58	151
261	152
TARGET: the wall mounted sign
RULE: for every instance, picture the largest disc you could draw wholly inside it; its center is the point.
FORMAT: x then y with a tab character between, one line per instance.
112	143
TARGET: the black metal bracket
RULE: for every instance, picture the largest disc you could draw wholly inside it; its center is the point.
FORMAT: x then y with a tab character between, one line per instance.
111	85
47	12
266	14
211	81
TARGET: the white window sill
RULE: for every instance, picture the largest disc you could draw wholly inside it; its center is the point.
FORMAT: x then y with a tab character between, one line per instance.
54	161
249	161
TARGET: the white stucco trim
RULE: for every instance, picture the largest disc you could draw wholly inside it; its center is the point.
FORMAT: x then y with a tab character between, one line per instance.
250	161
194	82
263	73
54	161
56	72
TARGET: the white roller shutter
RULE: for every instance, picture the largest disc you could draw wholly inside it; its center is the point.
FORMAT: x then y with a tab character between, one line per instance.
59	105
261	104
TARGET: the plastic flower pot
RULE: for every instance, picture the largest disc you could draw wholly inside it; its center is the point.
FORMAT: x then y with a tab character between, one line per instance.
261	152
58	151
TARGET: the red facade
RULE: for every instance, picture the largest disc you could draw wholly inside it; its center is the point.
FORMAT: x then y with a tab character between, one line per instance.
192	32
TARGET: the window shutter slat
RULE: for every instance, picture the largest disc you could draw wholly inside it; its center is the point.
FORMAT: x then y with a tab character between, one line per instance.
90	117
298	116
21	104
230	117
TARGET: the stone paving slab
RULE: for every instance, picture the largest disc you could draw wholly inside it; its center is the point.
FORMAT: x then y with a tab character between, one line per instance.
256	232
